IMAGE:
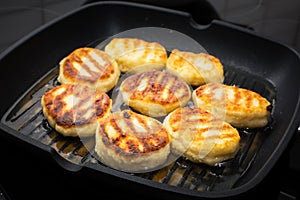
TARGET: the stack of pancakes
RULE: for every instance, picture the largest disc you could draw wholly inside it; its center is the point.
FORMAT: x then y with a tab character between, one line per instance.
176	104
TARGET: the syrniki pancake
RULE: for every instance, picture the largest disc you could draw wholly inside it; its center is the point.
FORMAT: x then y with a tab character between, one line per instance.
132	142
73	110
196	69
137	54
91	67
155	93
199	136
240	107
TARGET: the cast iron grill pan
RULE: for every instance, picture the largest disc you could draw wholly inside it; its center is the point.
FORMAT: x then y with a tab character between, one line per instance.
26	117
250	61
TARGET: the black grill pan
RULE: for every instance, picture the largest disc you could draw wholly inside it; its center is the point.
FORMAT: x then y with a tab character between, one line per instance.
30	67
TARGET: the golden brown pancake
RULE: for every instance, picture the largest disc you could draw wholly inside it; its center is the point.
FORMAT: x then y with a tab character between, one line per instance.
91	67
155	93
240	107
199	136
132	142
137	54
196	69
73	110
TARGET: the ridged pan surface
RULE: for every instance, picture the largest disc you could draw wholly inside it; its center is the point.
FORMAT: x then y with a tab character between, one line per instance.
27	118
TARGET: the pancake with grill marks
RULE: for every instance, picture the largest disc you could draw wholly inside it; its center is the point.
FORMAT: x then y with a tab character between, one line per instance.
155	93
91	67
240	107
196	69
137	54
73	110
132	142
199	136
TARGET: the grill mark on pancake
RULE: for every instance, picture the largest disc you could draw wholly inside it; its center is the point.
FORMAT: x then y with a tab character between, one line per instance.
146	52
93	76
206	67
144	138
243	107
78	56
163	80
77	107
224	136
106	139
154	87
76	111
129	123
119	130
152	139
199	92
110	140
121	135
181	119
142	121
237	98
249	100
66	118
135	139
242	101
153	79
163	83
69	70
157	83
63	118
107	69
174	86
101	102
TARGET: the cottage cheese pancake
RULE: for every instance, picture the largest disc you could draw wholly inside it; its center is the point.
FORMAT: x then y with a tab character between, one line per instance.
201	137
196	69
73	110
240	107
91	67
155	93
136	54
132	142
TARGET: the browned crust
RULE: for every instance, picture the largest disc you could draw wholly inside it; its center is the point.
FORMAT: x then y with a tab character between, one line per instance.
188	117
128	140
78	56
240	107
158	81
55	106
186	64
132	52
240	102
200	136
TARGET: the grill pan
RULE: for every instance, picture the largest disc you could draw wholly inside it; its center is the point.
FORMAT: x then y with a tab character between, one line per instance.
30	67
